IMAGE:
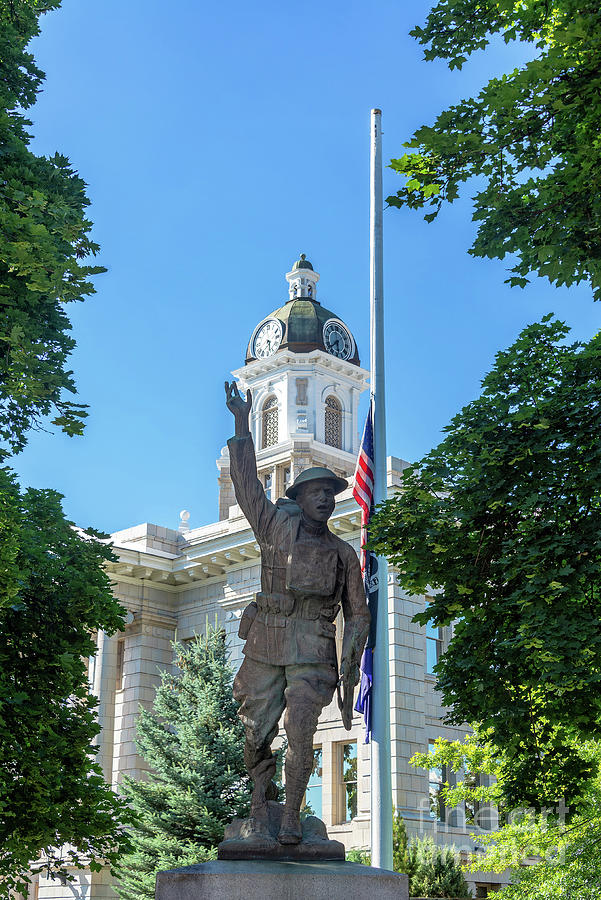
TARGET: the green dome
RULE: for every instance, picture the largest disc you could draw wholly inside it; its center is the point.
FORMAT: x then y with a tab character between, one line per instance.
302	263
302	322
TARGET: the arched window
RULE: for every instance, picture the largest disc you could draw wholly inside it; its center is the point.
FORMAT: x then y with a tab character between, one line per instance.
270	422
333	427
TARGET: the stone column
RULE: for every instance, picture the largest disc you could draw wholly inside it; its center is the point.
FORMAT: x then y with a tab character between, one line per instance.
227	497
409	733
327	782
147	650
361	834
105	677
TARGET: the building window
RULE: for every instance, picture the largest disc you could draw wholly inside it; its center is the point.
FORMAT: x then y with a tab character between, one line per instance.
313	801
436	781
477	814
333	428
433	646
287	479
472	807
268	483
270	422
120	658
485	890
348	777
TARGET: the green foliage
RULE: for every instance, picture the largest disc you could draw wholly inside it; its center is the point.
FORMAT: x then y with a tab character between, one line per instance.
503	522
469	755
280	762
432	871
359	856
548	859
435	871
570	863
400	844
530	137
193	741
55	593
45	238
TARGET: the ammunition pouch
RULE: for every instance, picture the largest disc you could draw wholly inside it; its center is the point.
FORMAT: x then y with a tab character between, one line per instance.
248	617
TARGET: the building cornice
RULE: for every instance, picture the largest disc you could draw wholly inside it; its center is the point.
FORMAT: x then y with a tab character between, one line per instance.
205	559
286	359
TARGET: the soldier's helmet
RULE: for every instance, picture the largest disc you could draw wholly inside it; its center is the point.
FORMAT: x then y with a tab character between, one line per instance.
316	473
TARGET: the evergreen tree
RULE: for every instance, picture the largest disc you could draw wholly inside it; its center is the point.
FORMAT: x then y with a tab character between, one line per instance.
193	740
400	845
435	871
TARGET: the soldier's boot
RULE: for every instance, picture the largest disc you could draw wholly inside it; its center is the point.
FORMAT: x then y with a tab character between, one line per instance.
261	765
258	823
299	764
291	831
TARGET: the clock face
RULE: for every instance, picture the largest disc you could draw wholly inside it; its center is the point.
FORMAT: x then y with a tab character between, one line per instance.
267	339
337	339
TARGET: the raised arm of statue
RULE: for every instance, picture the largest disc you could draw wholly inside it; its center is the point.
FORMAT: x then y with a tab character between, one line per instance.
238	407
249	491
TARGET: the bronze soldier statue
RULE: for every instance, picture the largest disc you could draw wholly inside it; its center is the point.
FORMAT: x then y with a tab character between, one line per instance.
307	575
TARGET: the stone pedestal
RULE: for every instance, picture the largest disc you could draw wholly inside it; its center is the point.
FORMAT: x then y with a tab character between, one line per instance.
273	880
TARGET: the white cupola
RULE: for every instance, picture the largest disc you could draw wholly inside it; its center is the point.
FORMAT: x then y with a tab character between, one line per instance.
302	280
302	367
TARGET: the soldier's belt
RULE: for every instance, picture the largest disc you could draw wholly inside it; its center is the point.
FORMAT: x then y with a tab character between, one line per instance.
276	604
316	626
287	606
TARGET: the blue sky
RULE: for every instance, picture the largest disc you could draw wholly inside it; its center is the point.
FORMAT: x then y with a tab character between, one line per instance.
218	142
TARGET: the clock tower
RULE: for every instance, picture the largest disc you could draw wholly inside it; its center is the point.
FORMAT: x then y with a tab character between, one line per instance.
303	370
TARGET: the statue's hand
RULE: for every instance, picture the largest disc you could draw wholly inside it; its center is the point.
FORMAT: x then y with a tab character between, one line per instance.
238	407
349	678
350	672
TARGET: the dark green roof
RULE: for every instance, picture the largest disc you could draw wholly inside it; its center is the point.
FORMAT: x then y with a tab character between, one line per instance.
302	327
302	263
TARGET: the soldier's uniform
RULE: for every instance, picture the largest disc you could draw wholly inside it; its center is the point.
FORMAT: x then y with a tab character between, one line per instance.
307	575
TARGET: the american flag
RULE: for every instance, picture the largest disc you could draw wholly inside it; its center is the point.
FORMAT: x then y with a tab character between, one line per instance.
363	492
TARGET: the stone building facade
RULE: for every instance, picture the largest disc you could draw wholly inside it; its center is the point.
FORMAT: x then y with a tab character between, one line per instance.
302	367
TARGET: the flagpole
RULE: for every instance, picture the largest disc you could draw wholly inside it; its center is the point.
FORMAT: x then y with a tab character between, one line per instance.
381	780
